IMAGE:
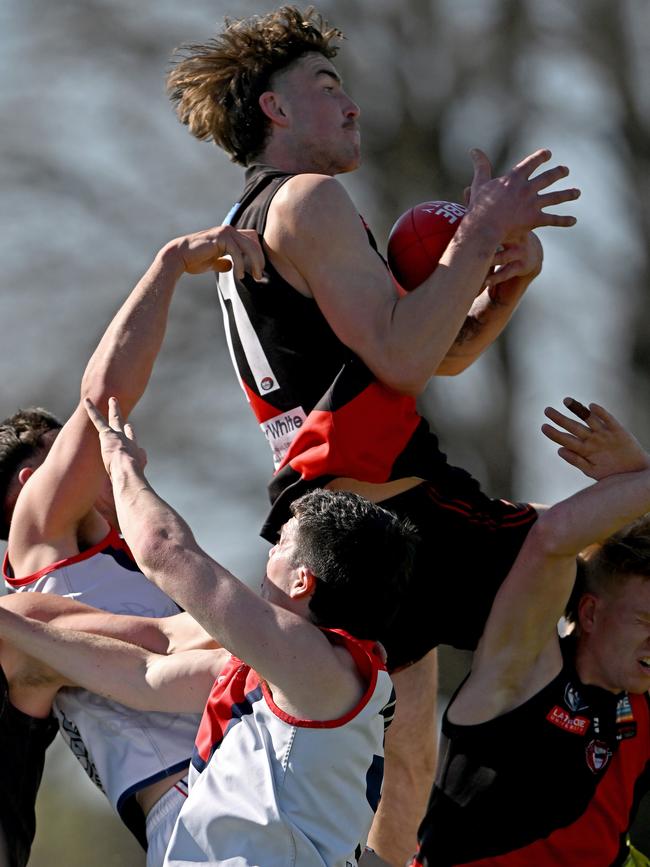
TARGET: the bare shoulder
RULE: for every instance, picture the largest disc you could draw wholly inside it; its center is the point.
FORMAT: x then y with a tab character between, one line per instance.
309	188
310	197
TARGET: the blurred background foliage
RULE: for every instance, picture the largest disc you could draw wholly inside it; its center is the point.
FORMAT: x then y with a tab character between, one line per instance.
97	175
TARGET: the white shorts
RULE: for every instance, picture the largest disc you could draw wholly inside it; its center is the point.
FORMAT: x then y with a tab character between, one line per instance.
161	820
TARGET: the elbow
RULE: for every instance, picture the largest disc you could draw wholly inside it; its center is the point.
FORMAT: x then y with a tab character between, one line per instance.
453	367
402	376
96	387
547	536
160	554
151	549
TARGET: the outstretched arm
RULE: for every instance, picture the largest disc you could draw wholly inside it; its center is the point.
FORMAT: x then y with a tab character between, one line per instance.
163	635
117	670
282	646
315	239
64	489
523	619
518	263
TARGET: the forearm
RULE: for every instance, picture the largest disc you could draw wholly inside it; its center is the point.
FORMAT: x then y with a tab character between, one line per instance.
488	316
108	666
122	363
594	513
443	318
156	634
160	540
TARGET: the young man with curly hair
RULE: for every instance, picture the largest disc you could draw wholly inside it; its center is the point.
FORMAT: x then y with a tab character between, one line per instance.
331	358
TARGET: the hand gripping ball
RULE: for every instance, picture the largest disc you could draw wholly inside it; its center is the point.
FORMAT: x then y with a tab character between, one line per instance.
419	238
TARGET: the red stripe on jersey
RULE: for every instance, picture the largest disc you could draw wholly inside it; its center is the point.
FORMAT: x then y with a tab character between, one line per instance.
112	539
519	516
361	439
233	688
263	410
229	689
368	662
594	838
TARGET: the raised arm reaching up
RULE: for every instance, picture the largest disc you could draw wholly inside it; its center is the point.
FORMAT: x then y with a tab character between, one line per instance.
519	650
54	512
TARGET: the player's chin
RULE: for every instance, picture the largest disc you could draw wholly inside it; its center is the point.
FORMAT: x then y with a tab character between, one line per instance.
351	163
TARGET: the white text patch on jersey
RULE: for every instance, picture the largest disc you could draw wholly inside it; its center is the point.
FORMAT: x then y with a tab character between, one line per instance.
281	430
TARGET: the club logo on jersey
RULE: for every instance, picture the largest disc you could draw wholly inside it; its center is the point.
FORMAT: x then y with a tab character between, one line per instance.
281	430
597	755
266	384
573	699
576	725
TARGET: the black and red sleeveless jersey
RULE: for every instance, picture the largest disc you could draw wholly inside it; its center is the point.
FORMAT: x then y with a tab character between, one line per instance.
323	412
556	781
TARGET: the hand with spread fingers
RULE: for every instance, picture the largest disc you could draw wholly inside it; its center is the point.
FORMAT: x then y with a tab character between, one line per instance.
517	201
598	444
116	437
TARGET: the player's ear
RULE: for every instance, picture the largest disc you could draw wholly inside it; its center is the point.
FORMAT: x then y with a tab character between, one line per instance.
304	583
272	106
587	612
24	474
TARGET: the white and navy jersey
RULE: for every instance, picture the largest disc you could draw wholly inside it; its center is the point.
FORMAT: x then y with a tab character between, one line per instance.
269	789
122	750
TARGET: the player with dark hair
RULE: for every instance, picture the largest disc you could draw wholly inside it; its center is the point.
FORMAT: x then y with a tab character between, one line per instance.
352	546
25	438
331	358
545	748
288	762
61	542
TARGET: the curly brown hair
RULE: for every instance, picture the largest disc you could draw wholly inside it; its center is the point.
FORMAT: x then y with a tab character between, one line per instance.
216	85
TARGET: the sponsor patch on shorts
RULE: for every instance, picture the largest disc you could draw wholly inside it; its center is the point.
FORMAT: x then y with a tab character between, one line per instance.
577	725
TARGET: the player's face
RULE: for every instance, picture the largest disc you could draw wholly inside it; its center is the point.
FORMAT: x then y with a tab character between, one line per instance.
324	121
618	643
279	569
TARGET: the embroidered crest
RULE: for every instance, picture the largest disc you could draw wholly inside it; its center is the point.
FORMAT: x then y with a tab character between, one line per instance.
598	755
573	699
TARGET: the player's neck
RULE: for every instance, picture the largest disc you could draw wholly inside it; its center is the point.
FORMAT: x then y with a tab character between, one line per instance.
286	160
588	669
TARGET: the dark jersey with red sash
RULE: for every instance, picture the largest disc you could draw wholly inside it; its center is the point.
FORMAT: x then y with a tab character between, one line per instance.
325	415
321	409
553	783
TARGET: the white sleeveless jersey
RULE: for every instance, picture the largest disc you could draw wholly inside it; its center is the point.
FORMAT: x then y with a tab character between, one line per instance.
122	750
271	790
